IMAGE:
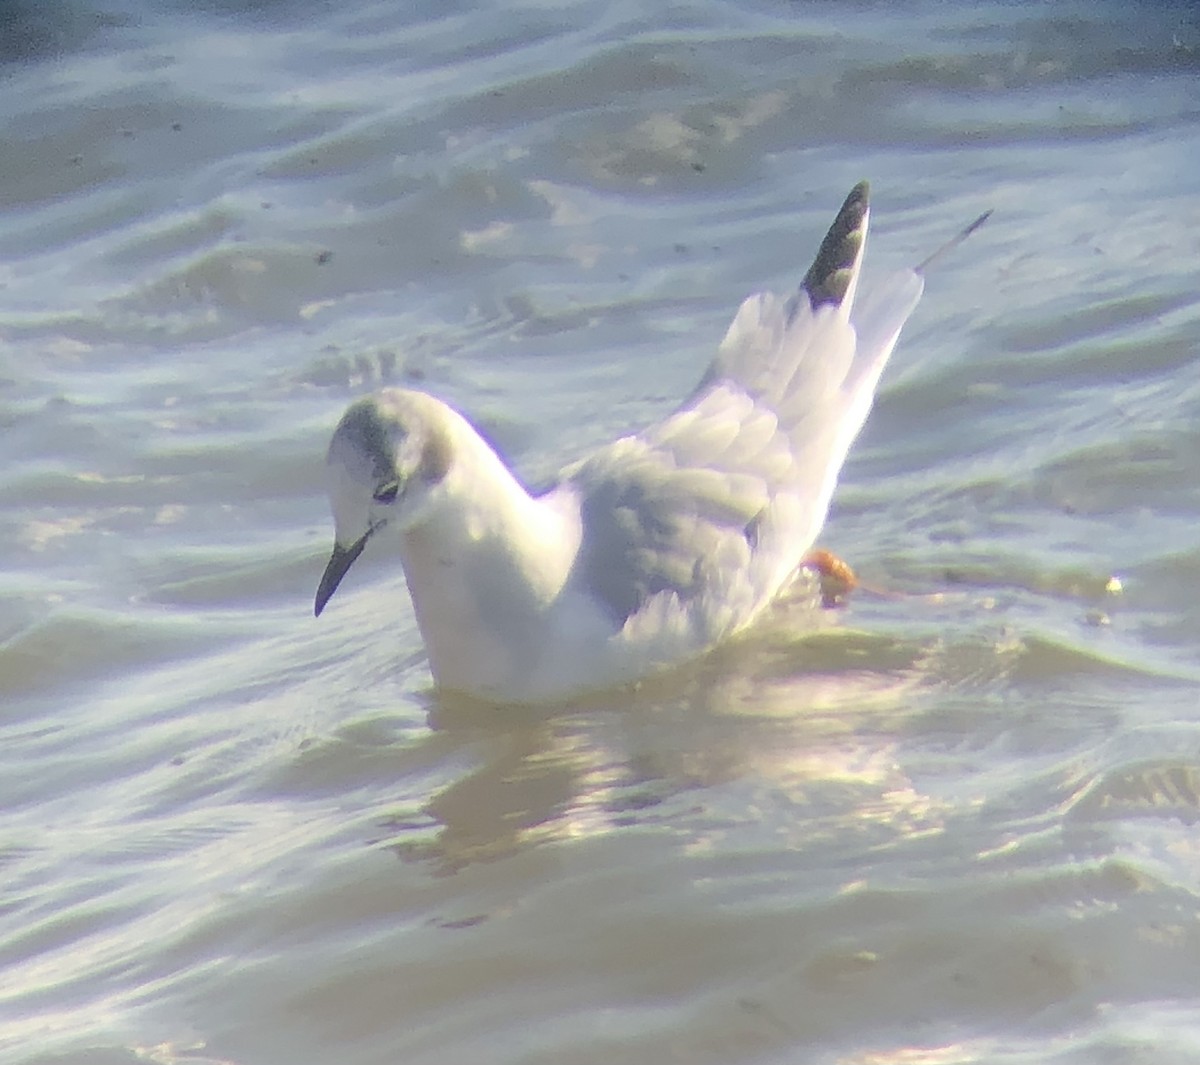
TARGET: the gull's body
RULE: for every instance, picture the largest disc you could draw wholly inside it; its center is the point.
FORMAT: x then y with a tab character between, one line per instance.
657	546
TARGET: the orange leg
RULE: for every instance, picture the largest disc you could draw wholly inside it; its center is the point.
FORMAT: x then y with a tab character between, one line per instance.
837	578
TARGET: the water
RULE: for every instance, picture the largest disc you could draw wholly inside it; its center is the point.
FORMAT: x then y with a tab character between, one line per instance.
954	822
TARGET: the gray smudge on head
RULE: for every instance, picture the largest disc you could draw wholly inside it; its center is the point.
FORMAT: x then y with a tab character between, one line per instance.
364	434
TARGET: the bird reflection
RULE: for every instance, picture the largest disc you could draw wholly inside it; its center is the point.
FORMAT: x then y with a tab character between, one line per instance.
808	724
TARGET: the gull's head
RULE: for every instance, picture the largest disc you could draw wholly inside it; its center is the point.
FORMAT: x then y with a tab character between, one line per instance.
388	458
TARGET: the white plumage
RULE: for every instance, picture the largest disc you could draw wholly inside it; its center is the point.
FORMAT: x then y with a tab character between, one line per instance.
655	547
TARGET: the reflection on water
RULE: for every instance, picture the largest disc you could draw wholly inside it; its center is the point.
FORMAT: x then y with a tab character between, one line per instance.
816	726
951	822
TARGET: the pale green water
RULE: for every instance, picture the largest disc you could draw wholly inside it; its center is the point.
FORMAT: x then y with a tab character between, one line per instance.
953	825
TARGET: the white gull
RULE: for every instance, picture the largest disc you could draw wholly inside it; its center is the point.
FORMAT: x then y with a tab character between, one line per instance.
652	549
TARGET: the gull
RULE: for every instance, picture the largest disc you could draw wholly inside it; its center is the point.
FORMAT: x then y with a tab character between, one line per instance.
654	548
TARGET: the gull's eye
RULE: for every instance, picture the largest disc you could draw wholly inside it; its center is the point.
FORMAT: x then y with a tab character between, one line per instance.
388	493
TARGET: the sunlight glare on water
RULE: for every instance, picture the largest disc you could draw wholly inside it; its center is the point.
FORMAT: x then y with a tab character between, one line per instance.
950	822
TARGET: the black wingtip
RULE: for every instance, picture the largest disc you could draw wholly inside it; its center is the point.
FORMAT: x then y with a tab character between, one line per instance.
952	243
828	279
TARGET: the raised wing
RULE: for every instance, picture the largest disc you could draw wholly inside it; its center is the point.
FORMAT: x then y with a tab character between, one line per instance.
677	509
710	511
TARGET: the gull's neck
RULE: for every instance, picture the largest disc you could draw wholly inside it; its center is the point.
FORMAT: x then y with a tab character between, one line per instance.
484	565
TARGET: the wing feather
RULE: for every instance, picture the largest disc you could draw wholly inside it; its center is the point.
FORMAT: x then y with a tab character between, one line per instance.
700	519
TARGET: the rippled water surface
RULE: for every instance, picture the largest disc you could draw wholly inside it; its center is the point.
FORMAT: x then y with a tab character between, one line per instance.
952	822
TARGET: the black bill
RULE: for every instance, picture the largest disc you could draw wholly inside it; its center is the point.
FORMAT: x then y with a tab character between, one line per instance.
339	562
